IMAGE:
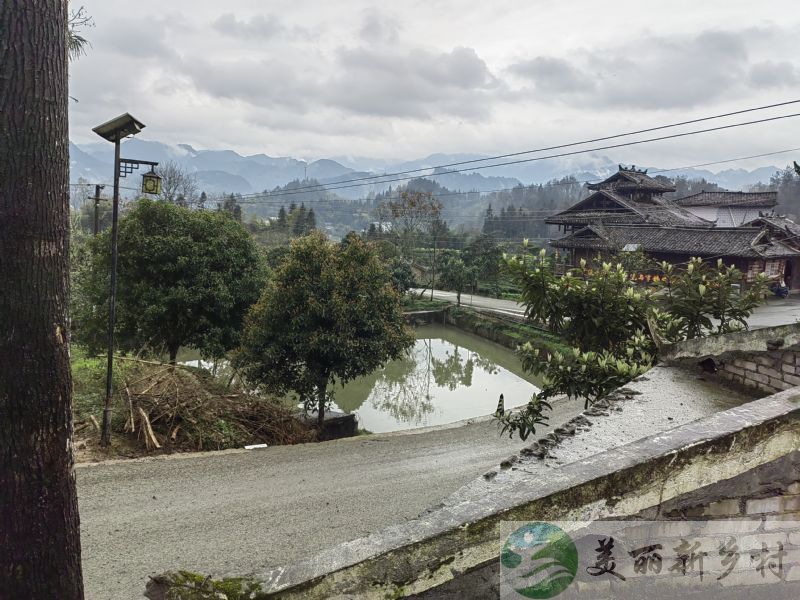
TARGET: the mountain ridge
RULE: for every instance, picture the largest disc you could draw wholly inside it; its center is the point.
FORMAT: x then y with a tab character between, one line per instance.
226	171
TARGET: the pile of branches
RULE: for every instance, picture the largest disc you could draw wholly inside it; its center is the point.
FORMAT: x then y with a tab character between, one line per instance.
175	408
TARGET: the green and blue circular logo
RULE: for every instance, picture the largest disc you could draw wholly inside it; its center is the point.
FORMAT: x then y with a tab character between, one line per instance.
539	560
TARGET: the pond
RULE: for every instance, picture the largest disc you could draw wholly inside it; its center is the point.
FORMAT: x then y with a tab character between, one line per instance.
449	375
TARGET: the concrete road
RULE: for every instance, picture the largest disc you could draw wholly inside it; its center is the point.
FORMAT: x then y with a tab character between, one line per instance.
775	311
236	512
509	307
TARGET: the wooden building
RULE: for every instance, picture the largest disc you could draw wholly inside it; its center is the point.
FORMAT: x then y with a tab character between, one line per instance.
628	196
786	232
729	209
750	249
628	211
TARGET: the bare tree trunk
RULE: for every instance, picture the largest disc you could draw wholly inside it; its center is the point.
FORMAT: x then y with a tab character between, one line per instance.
322	389
40	555
173	354
433	269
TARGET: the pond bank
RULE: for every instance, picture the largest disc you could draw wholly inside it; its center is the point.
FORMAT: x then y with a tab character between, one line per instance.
507	331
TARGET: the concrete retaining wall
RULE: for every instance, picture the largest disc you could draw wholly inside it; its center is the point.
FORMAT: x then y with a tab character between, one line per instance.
765	361
451	550
770	492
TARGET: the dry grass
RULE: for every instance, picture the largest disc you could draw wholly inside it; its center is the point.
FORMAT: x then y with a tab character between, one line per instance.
158	407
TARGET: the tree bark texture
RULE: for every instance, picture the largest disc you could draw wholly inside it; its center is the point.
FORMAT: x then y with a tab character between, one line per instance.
322	388
39	528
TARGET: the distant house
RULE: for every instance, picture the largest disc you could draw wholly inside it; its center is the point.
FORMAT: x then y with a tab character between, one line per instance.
787	232
628	211
750	249
629	196
729	209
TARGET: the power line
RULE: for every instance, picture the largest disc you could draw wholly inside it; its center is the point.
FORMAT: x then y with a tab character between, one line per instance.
561	146
543	185
539	158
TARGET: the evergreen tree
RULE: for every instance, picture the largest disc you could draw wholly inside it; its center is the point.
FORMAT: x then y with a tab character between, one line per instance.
311	221
299	221
232	206
282	223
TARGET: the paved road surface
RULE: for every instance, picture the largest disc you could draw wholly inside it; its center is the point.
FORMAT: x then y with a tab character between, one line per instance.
776	311
238	512
501	306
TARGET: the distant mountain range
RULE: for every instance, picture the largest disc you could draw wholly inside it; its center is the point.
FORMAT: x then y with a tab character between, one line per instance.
219	171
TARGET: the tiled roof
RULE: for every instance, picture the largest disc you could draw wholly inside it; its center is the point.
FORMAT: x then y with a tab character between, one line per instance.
759	199
779	223
632	179
746	242
658	211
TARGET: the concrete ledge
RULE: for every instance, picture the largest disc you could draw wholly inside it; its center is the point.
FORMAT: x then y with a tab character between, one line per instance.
461	537
758	340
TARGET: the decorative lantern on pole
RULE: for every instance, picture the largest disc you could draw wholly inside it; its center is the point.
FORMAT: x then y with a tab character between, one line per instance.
115	131
151	182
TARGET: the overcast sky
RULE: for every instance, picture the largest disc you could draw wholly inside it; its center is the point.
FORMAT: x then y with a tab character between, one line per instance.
314	79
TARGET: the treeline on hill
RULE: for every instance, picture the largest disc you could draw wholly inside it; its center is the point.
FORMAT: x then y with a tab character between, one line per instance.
507	215
787	183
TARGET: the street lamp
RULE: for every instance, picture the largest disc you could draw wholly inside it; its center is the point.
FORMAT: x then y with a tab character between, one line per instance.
114	131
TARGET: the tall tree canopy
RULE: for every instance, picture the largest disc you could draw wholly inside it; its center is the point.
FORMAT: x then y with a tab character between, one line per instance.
40	555
329	315
186	278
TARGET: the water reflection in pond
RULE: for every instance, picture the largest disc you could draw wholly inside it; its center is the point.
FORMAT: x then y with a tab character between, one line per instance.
449	375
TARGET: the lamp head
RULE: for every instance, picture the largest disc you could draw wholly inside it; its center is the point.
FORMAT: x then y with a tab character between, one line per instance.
118	128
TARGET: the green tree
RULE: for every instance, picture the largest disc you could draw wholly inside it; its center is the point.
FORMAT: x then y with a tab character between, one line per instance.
438	231
282	223
231	206
311	221
300	221
329	315
616	326
707	300
186	278
402	274
485	257
455	275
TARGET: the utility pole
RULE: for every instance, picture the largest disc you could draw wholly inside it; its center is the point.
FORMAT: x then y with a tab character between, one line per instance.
97	199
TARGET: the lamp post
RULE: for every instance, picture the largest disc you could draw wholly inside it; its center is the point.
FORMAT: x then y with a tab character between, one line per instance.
115	131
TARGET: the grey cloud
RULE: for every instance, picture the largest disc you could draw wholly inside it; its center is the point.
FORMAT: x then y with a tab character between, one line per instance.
774	74
553	74
134	38
652	73
416	84
256	27
379	27
256	82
